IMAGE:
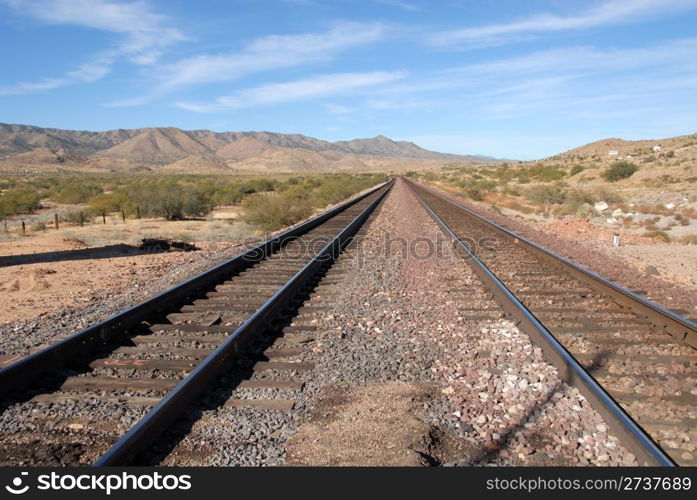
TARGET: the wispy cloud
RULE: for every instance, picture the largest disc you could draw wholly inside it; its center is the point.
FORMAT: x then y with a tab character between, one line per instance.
559	83
143	35
402	4
608	13
269	53
85	73
307	88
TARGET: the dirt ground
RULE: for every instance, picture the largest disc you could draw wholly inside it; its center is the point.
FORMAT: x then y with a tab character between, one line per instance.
380	424
49	270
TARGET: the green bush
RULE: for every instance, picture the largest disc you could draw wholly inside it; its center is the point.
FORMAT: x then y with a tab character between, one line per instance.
169	199
619	170
111	202
273	212
546	195
74	193
73	217
18	201
576	169
543	173
577	202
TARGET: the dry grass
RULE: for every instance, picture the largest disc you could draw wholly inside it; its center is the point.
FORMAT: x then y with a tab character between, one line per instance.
658	235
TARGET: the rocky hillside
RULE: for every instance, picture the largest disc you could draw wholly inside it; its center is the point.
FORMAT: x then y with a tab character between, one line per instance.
26	146
606	147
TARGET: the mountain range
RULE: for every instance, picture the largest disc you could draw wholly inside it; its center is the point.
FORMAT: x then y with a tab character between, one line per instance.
173	149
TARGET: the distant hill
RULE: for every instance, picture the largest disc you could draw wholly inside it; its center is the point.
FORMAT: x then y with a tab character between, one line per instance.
668	161
26	146
623	147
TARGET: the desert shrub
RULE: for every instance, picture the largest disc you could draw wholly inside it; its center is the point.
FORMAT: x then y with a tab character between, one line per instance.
37	225
231	194
515	205
335	190
477	190
19	201
75	192
681	219
658	235
110	202
547	173
511	191
73	217
546	195
169	199
271	213
475	193
619	170
577	202
605	194
576	169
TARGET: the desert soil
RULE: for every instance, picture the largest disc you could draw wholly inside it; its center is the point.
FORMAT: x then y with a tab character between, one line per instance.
40	275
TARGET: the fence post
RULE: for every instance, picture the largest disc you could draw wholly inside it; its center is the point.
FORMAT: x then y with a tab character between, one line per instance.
55	220
123	215
82	220
104	217
5	220
24	228
137	212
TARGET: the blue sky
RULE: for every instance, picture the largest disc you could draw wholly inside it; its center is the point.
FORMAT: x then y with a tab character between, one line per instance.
515	79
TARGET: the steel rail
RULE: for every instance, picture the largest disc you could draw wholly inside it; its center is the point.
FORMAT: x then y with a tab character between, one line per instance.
630	433
26	369
678	326
179	398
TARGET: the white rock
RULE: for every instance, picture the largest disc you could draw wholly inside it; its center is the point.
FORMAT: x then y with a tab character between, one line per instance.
670	206
600	206
618	213
611	220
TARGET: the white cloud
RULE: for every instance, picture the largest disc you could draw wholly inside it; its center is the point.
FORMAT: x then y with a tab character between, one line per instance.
400	4
608	13
307	88
85	73
144	35
558	84
268	53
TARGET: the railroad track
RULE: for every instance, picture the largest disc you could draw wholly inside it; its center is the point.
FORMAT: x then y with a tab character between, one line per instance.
634	360
128	378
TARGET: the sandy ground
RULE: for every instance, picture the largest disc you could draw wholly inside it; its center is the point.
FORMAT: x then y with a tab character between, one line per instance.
672	261
50	270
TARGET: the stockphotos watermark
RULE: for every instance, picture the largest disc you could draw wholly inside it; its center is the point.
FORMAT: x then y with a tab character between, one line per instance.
102	483
367	247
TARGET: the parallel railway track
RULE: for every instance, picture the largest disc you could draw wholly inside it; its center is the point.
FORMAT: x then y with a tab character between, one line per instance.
140	370
631	358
